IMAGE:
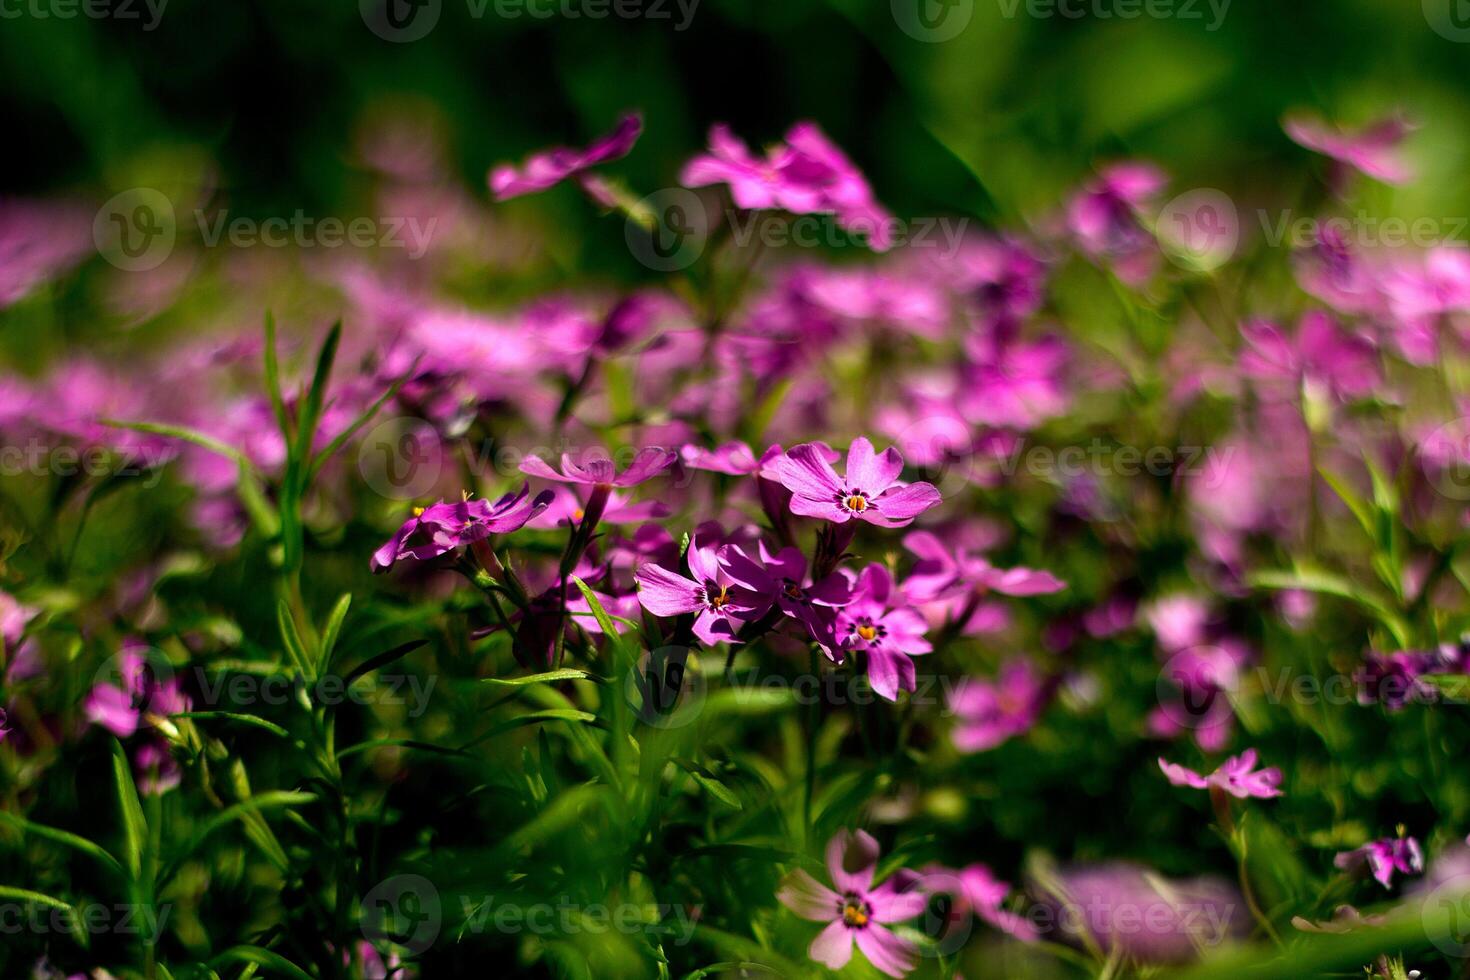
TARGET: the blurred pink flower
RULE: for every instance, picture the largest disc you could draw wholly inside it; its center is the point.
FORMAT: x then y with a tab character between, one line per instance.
550	167
1237	776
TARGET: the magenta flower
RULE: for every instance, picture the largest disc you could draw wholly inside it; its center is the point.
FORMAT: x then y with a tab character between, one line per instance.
441	528
569	507
601	471
805	175
140	700
814	605
1105	219
856	911
976	890
155	768
1384	857
889	632
731	458
728	589
1321	353
551	167
869	492
1237	776
1373	150
948	570
992	712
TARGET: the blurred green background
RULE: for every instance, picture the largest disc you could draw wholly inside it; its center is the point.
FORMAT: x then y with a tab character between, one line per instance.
996	122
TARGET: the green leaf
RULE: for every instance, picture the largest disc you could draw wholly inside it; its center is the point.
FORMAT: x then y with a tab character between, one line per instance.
382	660
273	379
333	630
66	839
711	785
130	811
311	411
239	811
37	898
235	716
1356	504
256	956
550	677
291	638
346	434
1316	580
185	434
621	655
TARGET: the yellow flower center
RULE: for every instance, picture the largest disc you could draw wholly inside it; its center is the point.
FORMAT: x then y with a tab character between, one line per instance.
855	914
868	631
719	599
578	515
857	503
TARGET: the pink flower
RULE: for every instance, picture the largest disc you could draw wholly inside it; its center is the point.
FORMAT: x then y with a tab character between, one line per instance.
551	167
805	175
992	712
945	570
1372	150
139	701
856	911
441	528
731	458
813	604
1321	352
601	471
869	492
1016	385
569	507
1384	857
1104	218
976	889
728	589
881	624
1236	776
